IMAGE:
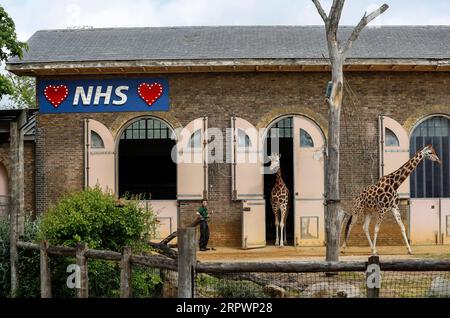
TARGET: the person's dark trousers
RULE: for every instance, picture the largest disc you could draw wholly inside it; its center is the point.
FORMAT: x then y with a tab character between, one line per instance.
204	234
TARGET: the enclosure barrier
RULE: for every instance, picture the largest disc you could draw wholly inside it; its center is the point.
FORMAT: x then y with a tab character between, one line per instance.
372	278
82	253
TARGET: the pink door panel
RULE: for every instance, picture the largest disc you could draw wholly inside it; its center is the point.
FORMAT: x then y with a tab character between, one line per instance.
308	183
445	220
253	224
309	223
394	156
192	178
424	220
166	215
99	156
247	161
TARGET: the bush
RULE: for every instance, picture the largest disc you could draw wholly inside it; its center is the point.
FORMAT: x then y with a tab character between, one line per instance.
95	218
28	269
4	258
89	216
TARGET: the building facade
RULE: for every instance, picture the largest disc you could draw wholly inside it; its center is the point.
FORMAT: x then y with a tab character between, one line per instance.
204	107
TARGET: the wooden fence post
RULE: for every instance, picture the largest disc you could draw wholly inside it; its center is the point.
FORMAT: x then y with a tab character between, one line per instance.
186	262
16	199
373	277
81	259
46	284
13	255
126	289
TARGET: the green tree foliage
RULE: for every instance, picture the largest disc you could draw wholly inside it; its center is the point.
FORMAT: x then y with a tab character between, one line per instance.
28	262
23	91
9	47
93	217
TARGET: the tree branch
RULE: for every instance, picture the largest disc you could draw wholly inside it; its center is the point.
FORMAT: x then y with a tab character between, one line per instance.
321	11
366	19
335	15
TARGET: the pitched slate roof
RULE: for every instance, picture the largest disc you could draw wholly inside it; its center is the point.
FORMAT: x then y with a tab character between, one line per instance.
231	42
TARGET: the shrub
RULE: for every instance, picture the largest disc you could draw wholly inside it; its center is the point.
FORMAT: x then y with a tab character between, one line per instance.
89	216
4	257
95	218
102	222
28	269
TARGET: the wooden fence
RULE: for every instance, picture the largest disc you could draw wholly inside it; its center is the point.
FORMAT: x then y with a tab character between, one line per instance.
82	253
187	266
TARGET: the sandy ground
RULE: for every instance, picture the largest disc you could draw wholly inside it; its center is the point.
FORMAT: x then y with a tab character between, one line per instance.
225	254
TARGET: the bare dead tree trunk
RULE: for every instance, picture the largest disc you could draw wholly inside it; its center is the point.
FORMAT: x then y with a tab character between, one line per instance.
337	55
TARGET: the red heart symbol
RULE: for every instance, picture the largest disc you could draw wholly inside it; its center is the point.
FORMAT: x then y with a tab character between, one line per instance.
56	94
150	93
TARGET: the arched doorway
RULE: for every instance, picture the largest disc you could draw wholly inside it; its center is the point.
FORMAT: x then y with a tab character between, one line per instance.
4	191
145	166
280	139
430	183
301	143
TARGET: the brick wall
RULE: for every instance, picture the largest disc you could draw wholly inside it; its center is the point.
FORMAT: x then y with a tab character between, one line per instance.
252	96
30	186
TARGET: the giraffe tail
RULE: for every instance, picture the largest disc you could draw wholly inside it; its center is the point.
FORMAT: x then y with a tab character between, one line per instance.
347	226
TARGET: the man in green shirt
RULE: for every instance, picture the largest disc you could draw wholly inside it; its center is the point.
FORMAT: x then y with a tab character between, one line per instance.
202	212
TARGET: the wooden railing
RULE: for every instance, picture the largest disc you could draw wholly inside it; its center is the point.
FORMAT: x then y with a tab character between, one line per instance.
82	253
186	264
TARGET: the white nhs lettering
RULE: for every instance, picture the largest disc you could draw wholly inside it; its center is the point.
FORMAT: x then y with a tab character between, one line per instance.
100	93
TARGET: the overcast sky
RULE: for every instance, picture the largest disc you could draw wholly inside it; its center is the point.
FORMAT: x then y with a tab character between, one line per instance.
33	15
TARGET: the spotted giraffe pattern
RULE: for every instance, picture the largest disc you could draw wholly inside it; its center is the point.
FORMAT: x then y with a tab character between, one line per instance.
382	197
279	199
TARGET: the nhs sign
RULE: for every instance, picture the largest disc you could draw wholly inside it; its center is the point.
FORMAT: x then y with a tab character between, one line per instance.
103	95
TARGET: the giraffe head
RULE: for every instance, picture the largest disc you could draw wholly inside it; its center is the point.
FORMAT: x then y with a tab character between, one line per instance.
430	153
274	162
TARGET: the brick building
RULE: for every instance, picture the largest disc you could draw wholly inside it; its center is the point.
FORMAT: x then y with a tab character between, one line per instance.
237	80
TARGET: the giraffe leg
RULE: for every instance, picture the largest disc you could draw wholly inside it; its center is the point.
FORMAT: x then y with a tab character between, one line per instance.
398	218
375	235
366	229
281	234
283	210
277	239
284	237
277	222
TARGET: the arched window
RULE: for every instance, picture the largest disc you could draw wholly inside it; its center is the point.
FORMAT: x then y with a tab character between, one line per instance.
148	129
431	180
391	139
96	141
243	139
195	141
281	129
306	140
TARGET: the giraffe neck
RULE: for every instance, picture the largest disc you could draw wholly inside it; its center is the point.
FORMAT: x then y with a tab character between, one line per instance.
400	175
279	179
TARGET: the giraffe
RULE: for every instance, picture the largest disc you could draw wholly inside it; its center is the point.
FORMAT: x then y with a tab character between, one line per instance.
279	199
382	197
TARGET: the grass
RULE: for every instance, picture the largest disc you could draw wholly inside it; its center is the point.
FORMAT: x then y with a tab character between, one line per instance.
393	285
208	286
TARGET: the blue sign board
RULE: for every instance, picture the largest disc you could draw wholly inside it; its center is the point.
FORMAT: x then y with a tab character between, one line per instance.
103	95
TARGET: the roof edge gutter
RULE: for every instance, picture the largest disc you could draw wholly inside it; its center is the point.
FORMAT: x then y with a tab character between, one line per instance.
221	65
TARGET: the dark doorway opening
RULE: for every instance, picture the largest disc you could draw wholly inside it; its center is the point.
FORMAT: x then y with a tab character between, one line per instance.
282	133
146	167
